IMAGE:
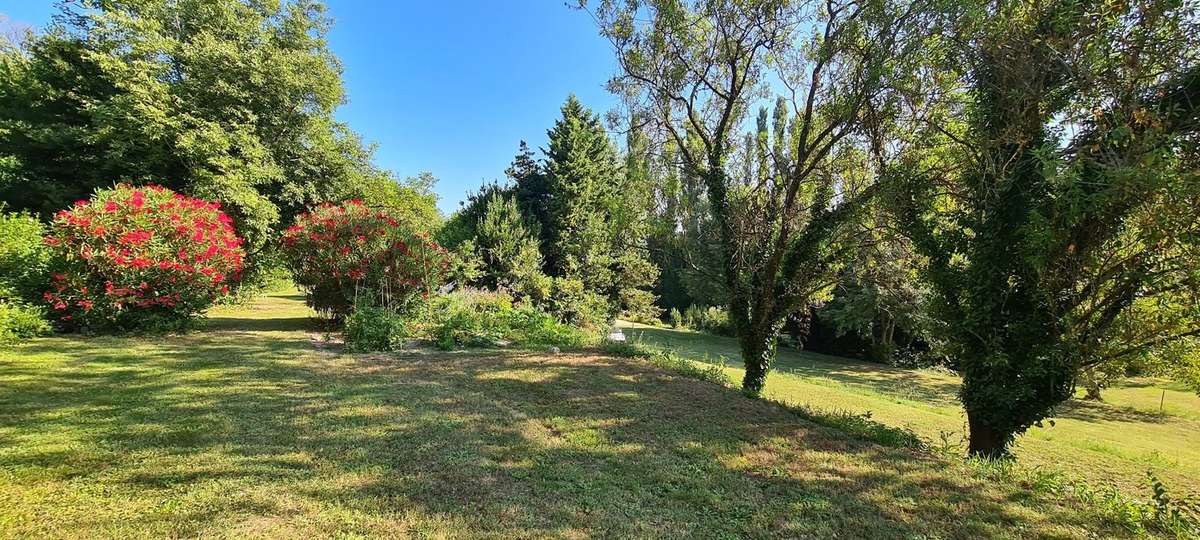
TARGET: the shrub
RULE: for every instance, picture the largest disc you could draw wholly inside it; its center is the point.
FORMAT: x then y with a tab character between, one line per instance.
639	306
373	328
336	252
475	318
140	258
713	320
570	302
23	258
468	318
19	321
676	318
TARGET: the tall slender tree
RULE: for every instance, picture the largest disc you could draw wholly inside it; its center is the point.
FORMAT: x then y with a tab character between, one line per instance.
697	66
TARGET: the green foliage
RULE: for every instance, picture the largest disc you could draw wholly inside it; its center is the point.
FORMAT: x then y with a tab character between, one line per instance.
1161	514
20	321
24	276
508	250
712	319
371	328
639	306
784	218
463	225
1057	215
228	100
860	425
24	259
1178	516
670	361
594	227
676	318
881	299
476	318
572	302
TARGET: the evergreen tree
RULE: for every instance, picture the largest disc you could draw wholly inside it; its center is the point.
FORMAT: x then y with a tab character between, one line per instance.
594	229
508	249
530	188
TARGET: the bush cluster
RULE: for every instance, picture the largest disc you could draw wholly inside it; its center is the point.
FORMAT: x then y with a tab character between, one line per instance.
372	328
23	267
339	252
713	320
144	258
464	318
21	321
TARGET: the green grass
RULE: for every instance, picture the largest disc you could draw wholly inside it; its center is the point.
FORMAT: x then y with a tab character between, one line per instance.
253	428
1110	443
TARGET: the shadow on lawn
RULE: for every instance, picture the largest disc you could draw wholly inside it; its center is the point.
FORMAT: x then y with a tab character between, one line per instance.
246	324
1091	411
896	382
507	444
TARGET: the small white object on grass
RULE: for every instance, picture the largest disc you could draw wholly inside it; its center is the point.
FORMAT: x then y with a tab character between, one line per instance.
616	335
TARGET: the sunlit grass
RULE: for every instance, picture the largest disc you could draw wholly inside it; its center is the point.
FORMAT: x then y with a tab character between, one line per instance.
1114	442
253	428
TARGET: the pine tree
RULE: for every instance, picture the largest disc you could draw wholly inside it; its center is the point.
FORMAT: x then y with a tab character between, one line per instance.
593	231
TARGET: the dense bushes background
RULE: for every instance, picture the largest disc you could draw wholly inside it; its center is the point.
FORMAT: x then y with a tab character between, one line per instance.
225	100
23	274
460	319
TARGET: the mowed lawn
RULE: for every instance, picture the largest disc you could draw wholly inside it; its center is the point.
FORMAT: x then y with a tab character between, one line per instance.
1110	443
252	429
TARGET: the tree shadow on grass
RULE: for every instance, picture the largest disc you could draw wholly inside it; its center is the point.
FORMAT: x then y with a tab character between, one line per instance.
1092	411
248	324
895	382
502	444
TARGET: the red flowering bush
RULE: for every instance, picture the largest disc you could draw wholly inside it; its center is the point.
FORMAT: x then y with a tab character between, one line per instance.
140	257
337	252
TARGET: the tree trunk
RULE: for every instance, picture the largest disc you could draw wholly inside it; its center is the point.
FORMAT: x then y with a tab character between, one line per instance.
758	353
1091	385
985	441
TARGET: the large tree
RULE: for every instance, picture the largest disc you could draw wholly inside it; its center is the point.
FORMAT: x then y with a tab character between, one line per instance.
1054	196
696	67
226	99
594	210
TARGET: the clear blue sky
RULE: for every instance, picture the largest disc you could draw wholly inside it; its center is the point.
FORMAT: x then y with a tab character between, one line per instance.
450	87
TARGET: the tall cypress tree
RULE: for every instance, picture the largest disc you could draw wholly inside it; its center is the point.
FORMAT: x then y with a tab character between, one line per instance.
590	228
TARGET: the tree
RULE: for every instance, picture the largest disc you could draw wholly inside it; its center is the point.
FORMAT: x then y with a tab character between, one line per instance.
508	249
230	100
530	188
695	67
595	220
1054	197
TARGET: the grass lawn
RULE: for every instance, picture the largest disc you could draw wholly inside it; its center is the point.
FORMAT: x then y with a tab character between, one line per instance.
1109	443
250	429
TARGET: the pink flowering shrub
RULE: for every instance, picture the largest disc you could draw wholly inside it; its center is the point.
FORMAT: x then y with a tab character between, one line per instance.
339	252
140	257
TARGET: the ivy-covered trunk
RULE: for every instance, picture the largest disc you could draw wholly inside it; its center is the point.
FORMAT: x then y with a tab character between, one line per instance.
1091	384
986	441
758	353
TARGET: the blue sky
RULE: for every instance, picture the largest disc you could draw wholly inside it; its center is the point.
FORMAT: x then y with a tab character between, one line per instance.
450	87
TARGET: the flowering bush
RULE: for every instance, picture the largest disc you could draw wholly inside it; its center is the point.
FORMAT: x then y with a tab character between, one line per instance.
140	257
336	252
